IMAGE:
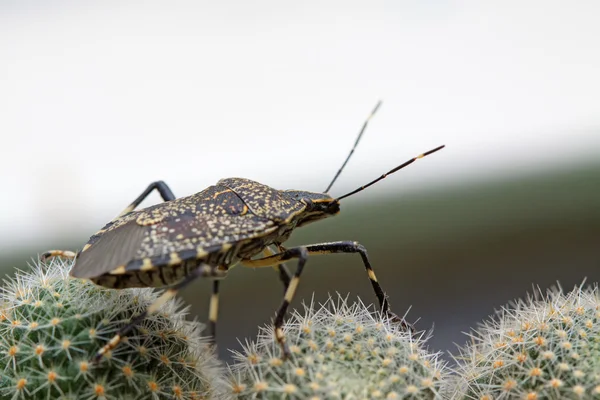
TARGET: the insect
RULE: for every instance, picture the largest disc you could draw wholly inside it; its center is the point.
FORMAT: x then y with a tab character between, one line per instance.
236	221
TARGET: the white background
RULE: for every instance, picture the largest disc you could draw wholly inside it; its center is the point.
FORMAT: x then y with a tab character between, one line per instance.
98	100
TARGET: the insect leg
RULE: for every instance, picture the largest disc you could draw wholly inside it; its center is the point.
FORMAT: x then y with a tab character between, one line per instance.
58	253
339	247
284	273
203	271
301	254
214	311
162	188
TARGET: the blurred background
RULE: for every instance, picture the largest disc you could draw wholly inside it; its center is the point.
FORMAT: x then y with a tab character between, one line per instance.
98	100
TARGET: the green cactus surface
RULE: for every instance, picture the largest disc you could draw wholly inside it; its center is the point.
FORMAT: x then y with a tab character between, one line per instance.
545	347
52	325
339	351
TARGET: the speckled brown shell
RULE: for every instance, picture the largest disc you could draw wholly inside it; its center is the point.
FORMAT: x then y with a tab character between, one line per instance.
223	218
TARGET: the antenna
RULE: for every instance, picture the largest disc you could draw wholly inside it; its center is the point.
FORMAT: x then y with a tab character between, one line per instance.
362	130
399	167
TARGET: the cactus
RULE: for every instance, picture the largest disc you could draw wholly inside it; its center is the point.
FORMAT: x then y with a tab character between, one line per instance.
546	347
52	325
339	351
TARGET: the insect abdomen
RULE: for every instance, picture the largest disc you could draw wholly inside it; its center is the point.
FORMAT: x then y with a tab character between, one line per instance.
160	276
167	270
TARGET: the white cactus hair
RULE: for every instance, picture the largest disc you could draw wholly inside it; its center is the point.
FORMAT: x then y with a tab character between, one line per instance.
51	326
339	350
544	347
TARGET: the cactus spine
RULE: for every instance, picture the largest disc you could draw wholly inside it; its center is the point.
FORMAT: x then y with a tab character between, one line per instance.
339	351
51	325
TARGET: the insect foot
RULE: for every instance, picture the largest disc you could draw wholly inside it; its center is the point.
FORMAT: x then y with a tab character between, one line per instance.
406	326
51	325
545	347
338	350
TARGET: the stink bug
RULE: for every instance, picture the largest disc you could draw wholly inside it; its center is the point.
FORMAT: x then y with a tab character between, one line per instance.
203	235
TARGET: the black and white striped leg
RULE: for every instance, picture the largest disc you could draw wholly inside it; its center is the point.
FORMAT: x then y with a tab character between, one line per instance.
301	254
214	311
165	193
338	247
203	271
160	186
163	189
58	253
355	247
284	273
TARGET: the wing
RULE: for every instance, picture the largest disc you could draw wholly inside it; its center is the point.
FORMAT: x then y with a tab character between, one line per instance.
141	235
